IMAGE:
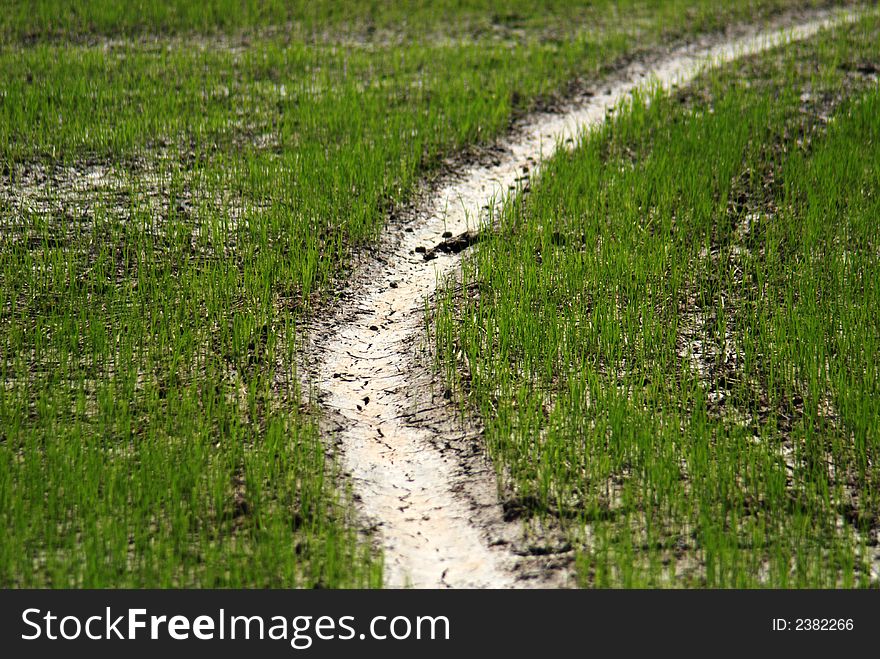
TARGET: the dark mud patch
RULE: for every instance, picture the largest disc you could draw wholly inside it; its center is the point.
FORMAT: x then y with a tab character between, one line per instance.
452	244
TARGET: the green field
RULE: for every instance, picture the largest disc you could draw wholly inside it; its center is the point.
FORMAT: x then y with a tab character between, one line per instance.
374	22
182	190
673	339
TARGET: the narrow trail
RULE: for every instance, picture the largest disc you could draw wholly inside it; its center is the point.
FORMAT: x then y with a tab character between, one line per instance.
420	474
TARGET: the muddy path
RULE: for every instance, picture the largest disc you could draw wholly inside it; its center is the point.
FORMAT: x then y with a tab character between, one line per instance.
419	472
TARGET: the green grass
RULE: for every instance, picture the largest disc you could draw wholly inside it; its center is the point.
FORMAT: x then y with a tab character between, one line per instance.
179	190
27	20
673	339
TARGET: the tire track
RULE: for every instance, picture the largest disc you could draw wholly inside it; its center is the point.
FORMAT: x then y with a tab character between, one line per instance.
419	473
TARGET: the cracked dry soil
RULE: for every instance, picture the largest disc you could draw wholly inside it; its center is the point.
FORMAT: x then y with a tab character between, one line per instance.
420	473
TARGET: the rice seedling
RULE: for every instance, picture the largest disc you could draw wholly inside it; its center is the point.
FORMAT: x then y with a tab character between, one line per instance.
672	340
182	186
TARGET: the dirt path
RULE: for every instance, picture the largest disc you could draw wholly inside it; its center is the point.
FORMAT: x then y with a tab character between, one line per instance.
420	475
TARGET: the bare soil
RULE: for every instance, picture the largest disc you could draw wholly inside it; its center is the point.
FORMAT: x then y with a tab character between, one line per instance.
420	472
